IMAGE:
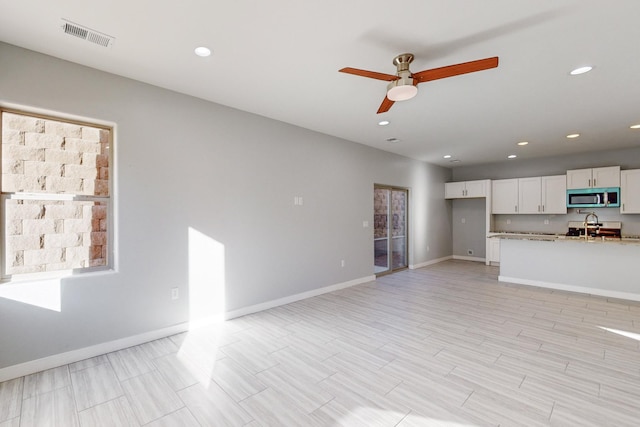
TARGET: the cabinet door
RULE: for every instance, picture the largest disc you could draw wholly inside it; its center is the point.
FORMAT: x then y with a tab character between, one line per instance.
606	177
494	249
454	190
504	195
554	194
529	195
579	178
476	188
630	191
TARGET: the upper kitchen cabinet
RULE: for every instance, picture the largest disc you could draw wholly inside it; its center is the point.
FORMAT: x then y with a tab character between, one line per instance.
594	178
466	189
630	191
504	194
542	195
554	194
535	195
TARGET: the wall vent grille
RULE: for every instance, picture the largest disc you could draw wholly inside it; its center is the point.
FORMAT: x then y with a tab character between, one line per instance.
87	34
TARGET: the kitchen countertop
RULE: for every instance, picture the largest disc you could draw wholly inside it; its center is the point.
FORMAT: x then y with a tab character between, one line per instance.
630	240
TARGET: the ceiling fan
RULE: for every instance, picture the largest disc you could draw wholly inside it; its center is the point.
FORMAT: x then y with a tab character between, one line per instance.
404	83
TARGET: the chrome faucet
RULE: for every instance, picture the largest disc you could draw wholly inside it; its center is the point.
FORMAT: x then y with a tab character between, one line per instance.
586	223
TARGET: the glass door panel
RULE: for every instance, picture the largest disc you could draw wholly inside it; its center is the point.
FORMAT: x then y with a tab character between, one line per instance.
390	229
399	229
381	229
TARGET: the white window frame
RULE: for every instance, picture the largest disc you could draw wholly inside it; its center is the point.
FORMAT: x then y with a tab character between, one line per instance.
107	200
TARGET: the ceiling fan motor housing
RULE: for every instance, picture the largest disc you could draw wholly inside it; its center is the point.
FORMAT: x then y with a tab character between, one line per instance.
403	88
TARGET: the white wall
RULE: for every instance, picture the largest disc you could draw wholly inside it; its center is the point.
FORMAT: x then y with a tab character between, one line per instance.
205	193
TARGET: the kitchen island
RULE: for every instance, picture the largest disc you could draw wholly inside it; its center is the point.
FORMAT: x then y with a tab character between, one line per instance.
606	267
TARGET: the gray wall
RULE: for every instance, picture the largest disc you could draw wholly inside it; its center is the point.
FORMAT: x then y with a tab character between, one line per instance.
626	159
470	234
230	177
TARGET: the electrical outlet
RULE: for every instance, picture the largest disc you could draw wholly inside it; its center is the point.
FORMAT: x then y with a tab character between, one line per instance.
546	222
463	220
365	224
342	263
175	293
508	221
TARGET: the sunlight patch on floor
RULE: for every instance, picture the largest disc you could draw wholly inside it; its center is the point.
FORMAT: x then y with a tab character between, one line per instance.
632	335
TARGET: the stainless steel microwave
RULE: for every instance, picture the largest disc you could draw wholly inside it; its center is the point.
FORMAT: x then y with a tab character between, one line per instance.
594	198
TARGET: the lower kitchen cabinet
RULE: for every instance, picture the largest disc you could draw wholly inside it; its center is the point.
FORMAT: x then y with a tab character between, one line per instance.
493	255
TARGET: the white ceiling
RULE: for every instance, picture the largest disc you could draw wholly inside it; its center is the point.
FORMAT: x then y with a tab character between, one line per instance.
280	59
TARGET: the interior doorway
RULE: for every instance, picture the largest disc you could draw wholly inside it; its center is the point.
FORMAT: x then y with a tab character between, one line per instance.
390	222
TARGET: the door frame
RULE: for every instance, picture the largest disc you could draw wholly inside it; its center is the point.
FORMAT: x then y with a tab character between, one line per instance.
391	270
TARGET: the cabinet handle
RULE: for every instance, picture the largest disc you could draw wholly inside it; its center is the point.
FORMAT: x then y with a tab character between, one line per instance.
515	208
594	182
589	182
542	208
538	208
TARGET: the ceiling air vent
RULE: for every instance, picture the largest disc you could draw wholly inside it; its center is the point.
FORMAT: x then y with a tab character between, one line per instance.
86	34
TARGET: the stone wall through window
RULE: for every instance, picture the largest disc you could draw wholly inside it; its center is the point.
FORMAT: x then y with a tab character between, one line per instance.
55	194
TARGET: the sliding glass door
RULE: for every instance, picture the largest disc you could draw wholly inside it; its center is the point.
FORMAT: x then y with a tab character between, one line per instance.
390	241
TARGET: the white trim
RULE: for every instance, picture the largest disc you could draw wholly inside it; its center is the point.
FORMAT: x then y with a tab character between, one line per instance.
49	362
572	288
469	258
297	297
430	262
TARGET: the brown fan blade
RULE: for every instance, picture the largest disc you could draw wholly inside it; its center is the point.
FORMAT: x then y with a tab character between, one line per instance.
370	74
455	70
386	104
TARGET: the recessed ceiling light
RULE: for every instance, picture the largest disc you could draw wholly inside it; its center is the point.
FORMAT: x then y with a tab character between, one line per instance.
573	135
635	126
202	51
511	156
454	161
447	156
521	143
384	122
581	70
393	140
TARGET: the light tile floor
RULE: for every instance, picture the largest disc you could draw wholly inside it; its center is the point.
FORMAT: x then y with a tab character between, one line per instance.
445	345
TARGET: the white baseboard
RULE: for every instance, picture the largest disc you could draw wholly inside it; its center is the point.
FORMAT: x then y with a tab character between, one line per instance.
430	262
572	288
297	297
469	258
49	362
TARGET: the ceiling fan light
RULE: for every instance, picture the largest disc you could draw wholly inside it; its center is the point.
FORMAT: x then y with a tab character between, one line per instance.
402	92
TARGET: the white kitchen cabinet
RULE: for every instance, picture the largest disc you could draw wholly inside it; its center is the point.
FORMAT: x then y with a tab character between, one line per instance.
534	195
554	194
530	195
630	191
466	189
494	250
594	178
504	193
542	195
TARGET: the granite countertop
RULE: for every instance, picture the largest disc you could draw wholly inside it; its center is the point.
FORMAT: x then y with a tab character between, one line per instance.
634	240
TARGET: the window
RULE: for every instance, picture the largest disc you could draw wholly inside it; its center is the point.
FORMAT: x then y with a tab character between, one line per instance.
55	183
